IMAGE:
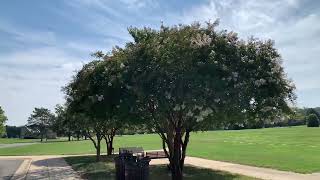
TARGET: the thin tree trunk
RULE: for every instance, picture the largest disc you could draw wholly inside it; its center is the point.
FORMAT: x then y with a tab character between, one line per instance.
98	148
97	144
109	148
41	136
184	148
176	169
109	141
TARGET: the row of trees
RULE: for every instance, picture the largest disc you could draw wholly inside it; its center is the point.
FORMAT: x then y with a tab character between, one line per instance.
177	80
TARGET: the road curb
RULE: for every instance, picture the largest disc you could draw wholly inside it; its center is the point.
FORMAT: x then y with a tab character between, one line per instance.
22	171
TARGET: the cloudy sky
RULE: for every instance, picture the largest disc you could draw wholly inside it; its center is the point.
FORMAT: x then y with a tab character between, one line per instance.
43	42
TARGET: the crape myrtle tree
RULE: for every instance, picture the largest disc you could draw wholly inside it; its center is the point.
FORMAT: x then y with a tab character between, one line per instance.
41	119
79	104
111	98
65	123
3	120
187	77
98	94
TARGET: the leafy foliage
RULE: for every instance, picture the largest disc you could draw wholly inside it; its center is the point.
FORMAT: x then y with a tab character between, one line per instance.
181	79
97	94
187	77
41	119
3	120
312	120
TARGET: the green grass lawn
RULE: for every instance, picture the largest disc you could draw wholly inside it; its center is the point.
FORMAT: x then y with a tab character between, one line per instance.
291	149
90	169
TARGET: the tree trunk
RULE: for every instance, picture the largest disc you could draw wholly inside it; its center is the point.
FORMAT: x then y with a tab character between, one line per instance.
109	141
177	152
175	165
98	154
109	148
96	143
69	137
41	136
176	172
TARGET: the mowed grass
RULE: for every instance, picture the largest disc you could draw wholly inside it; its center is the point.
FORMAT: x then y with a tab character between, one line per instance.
291	149
90	169
150	142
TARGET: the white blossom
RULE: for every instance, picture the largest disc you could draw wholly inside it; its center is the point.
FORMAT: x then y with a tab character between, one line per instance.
128	87
109	84
167	95
266	109
197	107
122	65
235	75
260	82
203	114
203	40
100	97
190	113
183	106
177	108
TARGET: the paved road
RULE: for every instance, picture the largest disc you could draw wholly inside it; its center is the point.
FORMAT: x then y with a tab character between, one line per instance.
8	167
15	145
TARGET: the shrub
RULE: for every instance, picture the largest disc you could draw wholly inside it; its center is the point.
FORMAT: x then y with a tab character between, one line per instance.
312	120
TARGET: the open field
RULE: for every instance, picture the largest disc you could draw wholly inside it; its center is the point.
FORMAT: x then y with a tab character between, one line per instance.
106	170
292	149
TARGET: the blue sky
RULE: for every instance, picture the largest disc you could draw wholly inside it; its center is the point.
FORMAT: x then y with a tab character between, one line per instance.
43	42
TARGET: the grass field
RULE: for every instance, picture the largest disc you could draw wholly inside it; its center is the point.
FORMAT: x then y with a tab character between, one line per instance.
106	170
291	149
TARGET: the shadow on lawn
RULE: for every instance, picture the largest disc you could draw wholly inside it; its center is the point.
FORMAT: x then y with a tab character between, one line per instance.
105	169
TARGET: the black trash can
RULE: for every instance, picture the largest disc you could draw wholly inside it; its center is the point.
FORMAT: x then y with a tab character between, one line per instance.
120	170
131	168
143	166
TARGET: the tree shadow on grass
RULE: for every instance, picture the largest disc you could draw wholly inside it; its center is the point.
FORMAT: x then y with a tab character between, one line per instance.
160	172
90	169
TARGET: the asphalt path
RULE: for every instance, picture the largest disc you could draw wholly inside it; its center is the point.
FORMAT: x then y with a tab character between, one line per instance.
8	167
15	145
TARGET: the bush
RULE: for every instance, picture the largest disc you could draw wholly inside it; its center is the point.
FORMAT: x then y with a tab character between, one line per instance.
312	120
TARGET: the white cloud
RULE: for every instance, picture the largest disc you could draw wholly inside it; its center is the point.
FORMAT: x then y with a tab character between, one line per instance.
26	35
296	36
34	78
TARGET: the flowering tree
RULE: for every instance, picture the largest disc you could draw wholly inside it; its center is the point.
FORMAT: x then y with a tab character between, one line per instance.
97	92
186	77
79	104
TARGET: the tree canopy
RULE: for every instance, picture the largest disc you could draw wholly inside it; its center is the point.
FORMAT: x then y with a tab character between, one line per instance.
181	79
187	76
98	94
41	119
